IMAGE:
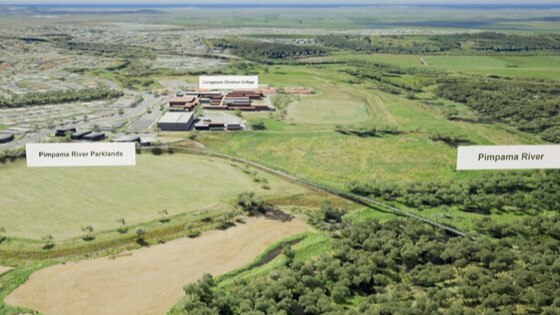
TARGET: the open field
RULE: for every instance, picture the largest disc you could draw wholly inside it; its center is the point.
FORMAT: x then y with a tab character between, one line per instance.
149	280
312	110
335	159
539	66
59	201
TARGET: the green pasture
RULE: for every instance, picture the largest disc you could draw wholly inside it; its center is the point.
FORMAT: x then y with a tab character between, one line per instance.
335	159
59	201
536	66
312	110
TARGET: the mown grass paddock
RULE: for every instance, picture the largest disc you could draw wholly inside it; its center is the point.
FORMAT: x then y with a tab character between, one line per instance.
59	201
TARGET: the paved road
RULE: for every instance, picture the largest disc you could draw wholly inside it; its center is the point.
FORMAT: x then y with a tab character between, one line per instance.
146	120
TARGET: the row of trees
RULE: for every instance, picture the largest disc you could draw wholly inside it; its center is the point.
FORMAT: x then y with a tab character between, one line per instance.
500	42
362	131
104	49
468	42
403	267
264	52
57	97
387	44
517	191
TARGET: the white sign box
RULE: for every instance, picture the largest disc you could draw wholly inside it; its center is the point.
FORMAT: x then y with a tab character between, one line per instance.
228	82
508	157
80	154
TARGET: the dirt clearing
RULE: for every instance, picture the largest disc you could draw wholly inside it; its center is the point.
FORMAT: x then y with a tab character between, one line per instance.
150	280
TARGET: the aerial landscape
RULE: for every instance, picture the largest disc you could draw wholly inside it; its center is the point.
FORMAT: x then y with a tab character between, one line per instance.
327	184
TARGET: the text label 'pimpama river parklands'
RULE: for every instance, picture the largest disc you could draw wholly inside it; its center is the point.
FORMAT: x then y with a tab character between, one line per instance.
80	154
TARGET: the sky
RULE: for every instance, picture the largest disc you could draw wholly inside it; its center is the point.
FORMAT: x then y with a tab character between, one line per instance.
447	2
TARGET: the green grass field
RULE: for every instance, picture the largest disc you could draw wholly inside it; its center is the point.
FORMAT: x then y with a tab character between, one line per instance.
538	66
59	201
327	110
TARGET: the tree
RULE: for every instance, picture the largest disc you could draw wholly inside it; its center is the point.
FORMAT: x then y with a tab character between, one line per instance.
140	233
48	240
193	135
258	125
331	214
202	289
2	234
88	229
251	203
122	225
289	253
163	216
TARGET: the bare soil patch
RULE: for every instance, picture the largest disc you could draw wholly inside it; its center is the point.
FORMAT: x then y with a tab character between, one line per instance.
3	270
150	280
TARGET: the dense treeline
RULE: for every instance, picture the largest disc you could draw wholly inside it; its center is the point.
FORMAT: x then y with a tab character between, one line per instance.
529	106
264	52
57	97
386	44
403	267
108	49
499	42
501	191
490	42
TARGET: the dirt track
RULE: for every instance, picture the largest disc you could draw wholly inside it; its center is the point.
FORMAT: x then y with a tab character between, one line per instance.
150	280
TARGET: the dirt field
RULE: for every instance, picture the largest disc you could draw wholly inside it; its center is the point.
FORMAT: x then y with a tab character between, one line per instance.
149	280
3	270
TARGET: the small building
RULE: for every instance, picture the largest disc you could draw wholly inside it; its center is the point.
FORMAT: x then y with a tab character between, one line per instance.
210	94
261	107
187	103
176	121
201	126
250	94
130	138
94	136
7	137
233	126
61	132
237	101
80	134
147	141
